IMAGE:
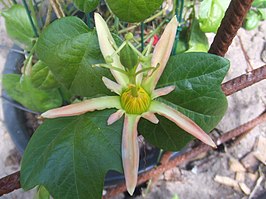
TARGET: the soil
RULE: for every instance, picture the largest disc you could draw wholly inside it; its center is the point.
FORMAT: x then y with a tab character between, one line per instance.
195	180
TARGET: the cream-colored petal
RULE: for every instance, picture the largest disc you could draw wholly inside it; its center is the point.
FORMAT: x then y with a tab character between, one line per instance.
161	54
107	44
115	116
79	108
182	121
162	91
113	86
130	151
151	117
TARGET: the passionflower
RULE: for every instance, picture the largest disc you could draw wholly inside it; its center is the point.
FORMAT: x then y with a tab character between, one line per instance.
136	91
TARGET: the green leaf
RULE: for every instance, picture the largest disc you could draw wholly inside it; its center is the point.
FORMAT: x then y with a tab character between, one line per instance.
198	42
198	94
70	156
211	14
182	43
70	49
86	5
18	26
192	39
252	20
134	11
262	13
21	89
42	78
259	4
42	193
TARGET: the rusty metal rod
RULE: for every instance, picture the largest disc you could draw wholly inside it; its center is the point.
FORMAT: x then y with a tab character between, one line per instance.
189	155
9	183
243	81
230	24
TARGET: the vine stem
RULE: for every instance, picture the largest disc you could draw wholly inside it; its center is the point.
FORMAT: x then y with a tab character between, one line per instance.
30	18
4	3
153	32
145	21
34	16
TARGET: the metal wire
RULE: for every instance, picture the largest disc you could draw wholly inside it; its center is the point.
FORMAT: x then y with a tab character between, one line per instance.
178	13
142	36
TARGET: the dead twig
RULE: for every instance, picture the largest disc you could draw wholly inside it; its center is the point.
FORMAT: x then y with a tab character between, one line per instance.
249	65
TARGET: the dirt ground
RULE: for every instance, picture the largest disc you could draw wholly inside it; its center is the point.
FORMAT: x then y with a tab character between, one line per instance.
204	178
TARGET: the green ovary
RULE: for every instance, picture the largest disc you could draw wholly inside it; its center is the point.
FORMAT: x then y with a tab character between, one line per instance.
135	100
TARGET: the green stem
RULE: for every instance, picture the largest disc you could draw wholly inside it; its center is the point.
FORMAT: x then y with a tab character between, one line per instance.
10	2
178	13
142	36
30	18
110	67
116	23
154	32
119	49
145	70
29	58
14	1
89	20
135	49
34	16
146	21
134	91
4	3
48	16
154	16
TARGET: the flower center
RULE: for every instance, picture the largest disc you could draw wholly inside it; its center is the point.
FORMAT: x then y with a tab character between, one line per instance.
135	100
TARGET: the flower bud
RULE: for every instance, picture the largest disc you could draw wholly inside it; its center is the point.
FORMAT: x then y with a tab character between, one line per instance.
128	57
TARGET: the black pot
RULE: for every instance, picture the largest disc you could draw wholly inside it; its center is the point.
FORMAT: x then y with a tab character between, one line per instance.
15	122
